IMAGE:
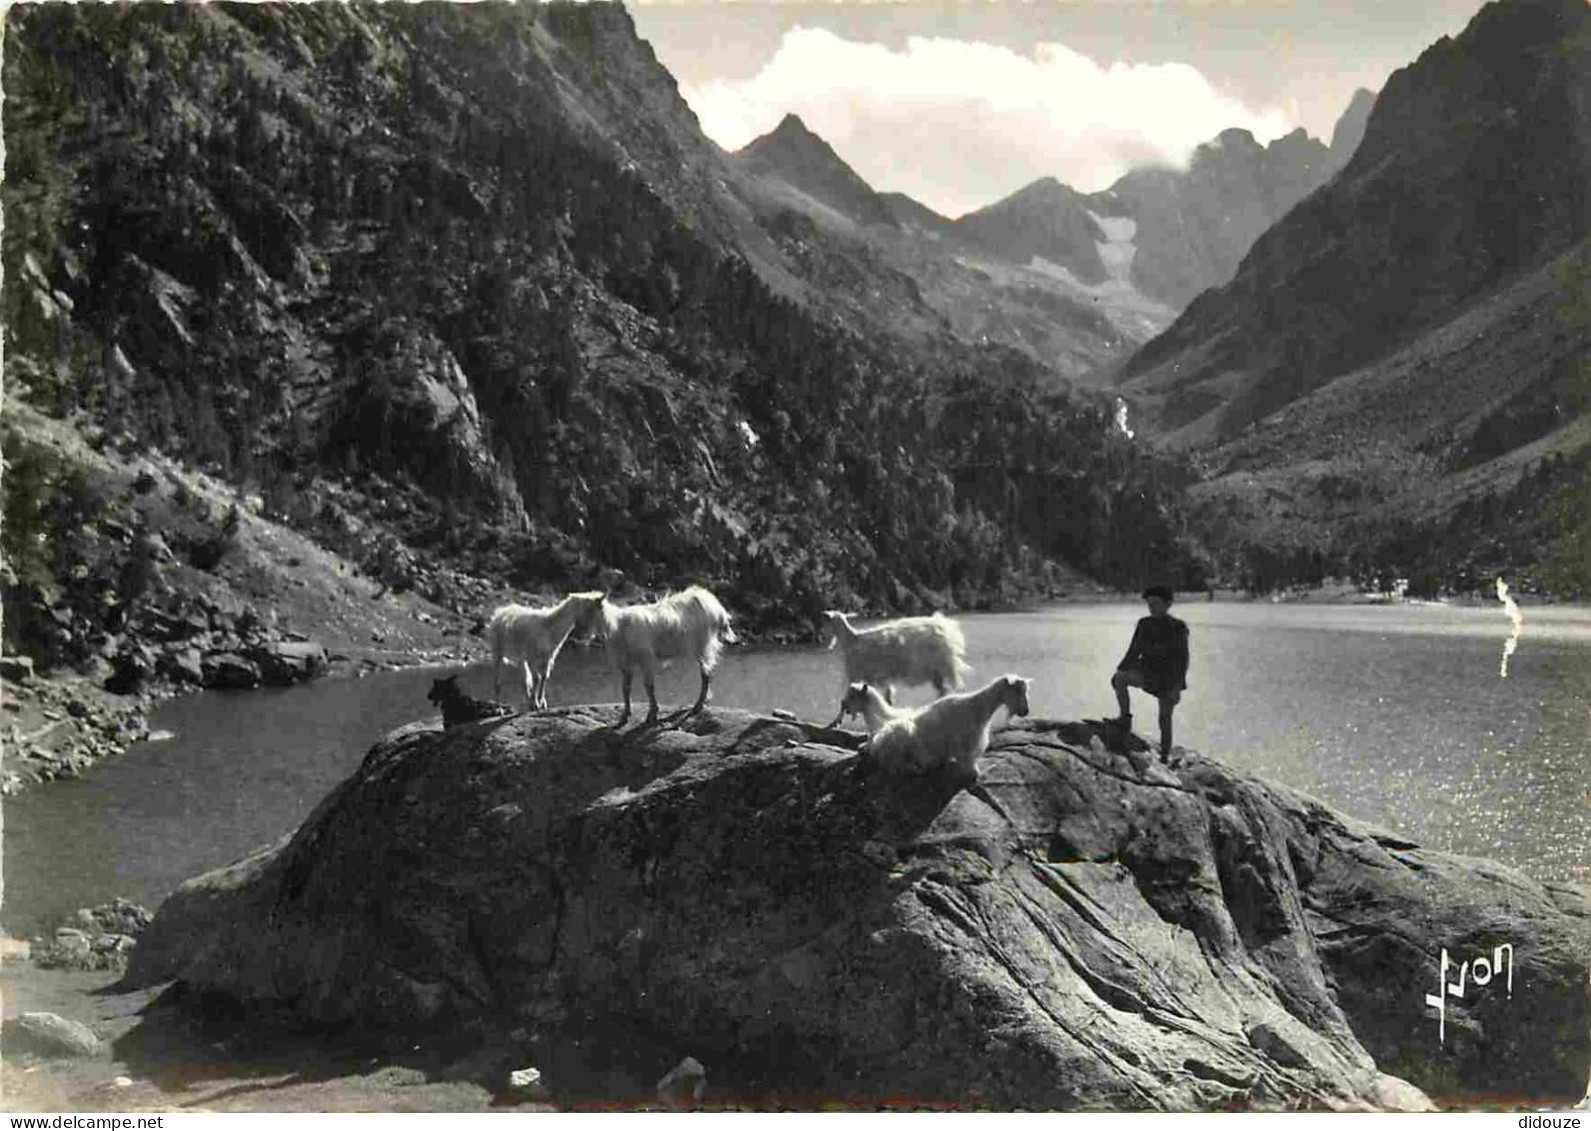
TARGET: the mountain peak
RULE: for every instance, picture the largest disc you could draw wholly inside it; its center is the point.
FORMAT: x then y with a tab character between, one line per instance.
1045	190
791	132
1044	218
1350	128
794	154
791	123
1232	136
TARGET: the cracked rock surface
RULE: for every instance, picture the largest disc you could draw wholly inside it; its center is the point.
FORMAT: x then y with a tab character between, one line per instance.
1081	929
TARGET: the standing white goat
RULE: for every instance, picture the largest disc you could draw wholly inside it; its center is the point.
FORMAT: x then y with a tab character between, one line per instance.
952	731
906	651
533	637
692	623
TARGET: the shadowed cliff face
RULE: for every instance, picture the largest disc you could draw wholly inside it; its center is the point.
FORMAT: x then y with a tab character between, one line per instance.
1081	929
1475	168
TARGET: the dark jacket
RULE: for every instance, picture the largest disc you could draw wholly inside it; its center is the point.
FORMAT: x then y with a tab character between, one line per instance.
1159	649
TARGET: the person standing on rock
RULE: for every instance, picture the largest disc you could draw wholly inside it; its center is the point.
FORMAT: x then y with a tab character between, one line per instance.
1156	661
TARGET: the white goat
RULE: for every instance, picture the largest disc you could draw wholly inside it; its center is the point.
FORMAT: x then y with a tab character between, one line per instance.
906	651
533	637
692	623
949	732
865	700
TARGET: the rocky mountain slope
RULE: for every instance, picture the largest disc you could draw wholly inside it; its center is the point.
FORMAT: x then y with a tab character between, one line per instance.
1187	230
1082	929
1429	304
128	577
1194	227
800	157
1475	169
1046	219
901	257
1075	280
1452	461
482	260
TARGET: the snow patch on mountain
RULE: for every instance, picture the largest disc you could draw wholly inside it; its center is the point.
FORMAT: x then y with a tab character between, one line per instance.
1118	249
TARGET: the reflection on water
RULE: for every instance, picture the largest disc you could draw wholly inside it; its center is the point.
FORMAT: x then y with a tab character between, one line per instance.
1396	715
1514	618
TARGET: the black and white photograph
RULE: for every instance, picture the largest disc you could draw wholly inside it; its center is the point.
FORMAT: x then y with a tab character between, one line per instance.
835	556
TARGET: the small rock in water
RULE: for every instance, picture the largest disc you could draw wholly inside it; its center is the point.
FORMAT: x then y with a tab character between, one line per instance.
161	736
686	1080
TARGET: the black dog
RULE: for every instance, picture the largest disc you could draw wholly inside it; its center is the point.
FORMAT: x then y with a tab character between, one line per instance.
458	708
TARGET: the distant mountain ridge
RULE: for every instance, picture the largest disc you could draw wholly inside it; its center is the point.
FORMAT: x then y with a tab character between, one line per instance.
1190	228
1400	371
1194	227
1475	165
1074	280
1008	275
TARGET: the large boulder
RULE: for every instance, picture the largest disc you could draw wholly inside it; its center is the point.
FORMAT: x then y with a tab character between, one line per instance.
50	1035
184	665
283	662
1081	929
229	671
132	664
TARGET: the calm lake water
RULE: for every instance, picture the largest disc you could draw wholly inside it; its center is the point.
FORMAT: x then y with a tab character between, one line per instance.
1397	715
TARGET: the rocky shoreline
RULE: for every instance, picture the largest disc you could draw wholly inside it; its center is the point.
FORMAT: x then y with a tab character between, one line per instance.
61	725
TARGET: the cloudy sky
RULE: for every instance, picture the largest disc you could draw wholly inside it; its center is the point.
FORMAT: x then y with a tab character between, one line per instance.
960	102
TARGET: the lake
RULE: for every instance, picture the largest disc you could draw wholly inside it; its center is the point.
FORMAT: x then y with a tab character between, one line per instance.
1395	714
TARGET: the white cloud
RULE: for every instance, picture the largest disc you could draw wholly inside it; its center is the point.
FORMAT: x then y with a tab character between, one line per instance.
958	124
